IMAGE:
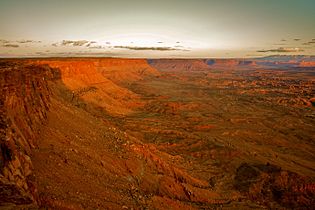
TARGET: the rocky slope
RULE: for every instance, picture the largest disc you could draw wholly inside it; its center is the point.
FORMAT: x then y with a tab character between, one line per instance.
80	133
53	118
24	100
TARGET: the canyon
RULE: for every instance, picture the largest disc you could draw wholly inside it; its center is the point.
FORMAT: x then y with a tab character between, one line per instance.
113	133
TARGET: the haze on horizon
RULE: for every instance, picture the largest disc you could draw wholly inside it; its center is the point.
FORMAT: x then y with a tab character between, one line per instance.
151	29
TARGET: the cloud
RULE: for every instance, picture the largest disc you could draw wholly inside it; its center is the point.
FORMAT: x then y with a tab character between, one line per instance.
79	54
283	49
96	47
74	43
40	53
3	41
27	41
283	40
159	42
148	48
309	43
11	45
90	43
296	39
23	41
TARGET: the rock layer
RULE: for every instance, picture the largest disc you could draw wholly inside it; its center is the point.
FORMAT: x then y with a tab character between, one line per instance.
24	100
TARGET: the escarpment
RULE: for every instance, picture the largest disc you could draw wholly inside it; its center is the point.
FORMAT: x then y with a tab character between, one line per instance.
42	124
98	81
24	100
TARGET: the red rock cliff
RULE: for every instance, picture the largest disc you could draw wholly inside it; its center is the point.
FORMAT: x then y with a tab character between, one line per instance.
100	77
24	100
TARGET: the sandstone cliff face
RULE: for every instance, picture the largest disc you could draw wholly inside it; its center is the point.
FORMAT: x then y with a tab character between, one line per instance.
24	100
96	80
125	70
307	64
228	63
179	64
223	62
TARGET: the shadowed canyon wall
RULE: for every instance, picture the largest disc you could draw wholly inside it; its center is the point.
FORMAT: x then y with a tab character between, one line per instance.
24	100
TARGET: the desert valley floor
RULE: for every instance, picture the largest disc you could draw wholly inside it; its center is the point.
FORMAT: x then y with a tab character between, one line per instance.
110	133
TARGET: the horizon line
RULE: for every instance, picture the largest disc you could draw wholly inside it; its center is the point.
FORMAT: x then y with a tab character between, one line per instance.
134	58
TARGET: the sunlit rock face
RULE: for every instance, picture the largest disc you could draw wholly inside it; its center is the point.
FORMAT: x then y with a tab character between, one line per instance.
100	78
179	64
307	64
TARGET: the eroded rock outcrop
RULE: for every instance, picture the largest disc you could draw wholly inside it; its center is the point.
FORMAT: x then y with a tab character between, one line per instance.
271	185
24	100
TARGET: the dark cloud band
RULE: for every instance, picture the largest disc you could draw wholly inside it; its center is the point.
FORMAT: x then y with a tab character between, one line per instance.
282	49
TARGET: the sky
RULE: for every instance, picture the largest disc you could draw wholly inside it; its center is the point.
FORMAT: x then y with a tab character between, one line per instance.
156	28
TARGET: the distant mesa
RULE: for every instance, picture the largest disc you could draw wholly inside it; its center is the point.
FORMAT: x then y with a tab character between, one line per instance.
307	63
230	62
269	62
179	64
225	62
